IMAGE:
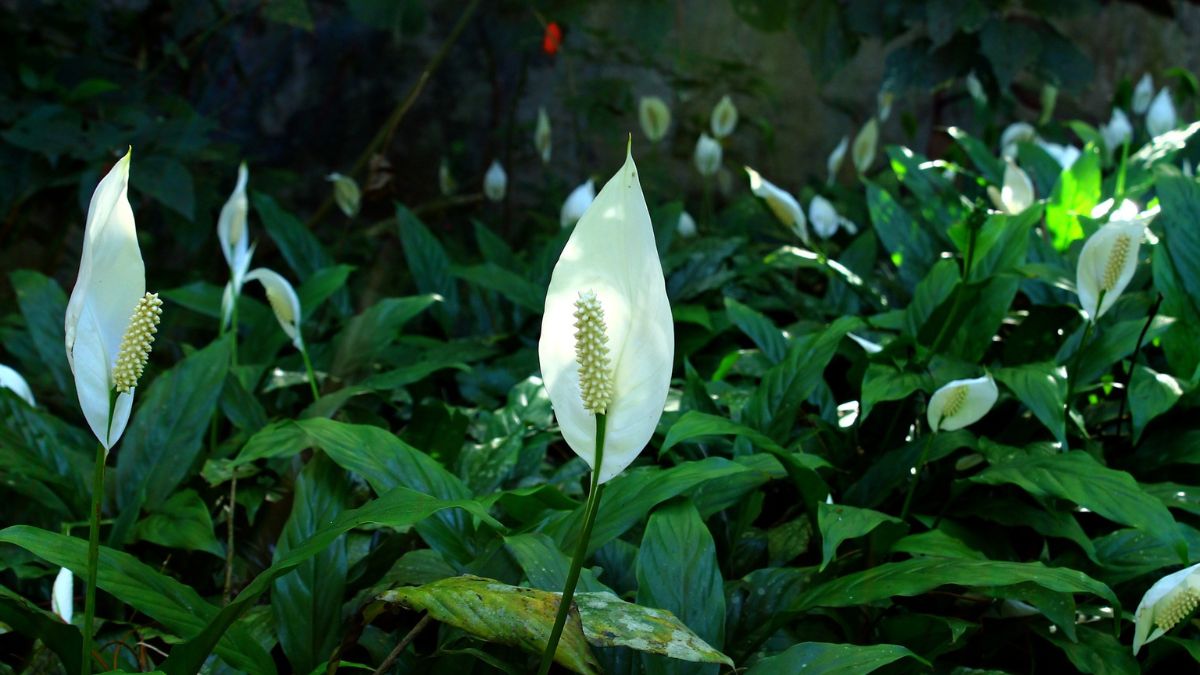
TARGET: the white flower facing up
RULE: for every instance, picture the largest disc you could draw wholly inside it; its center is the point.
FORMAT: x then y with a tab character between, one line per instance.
235	240
1107	263
12	380
961	403
724	118
1117	132
346	194
607	339
577	203
495	182
1168	602
834	163
283	300
783	205
541	135
1143	93
823	217
655	117
686	227
707	156
1161	117
110	320
863	151
1017	132
1016	194
62	595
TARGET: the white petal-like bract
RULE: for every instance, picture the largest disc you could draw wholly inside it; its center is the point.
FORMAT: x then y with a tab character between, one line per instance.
686	227
1017	132
961	402
823	217
283	300
655	117
975	88
1016	194
1165	604
577	203
111	282
12	380
707	156
1161	117
62	595
783	205
834	163
232	231
1143	93
495	182
724	118
1107	263
1117	132
1065	155
611	253
541	135
863	151
346	194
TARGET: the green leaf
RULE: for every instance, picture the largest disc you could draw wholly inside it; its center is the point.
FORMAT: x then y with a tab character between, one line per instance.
307	602
991	168
677	539
814	658
293	13
1094	651
44	304
167	181
398	508
839	522
365	336
1150	395
428	263
177	607
887	383
1180	197
1113	343
930	293
1077	477
510	285
32	621
300	247
900	234
167	431
545	565
1075	195
695	424
182	522
920	575
758	328
322	285
1041	387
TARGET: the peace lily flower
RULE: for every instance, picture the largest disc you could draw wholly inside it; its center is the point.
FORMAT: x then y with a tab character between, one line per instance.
960	403
724	118
1049	101
1168	602
863	151
1117	132
1142	93
655	117
577	203
446	182
286	306
1107	263
783	205
12	380
707	156
235	241
1065	155
834	163
345	193
1161	117
1017	132
883	102
975	88
62	595
823	216
686	227
495	182
1017	193
111	319
541	135
607	339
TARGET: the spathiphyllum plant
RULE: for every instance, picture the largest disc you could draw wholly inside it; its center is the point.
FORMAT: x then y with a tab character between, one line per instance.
235	245
961	403
606	347
1168	602
12	380
1107	263
285	304
110	325
781	203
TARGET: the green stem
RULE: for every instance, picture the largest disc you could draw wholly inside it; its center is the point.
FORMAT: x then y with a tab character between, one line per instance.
312	378
958	293
89	612
912	488
1133	363
1087	332
233	321
589	519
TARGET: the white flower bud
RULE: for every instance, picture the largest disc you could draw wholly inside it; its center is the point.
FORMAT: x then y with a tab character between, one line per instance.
655	117
724	118
495	182
707	156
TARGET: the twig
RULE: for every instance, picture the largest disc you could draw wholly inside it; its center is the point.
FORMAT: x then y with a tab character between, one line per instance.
412	635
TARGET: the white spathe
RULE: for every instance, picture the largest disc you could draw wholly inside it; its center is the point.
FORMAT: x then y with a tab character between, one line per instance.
1161	117
1017	132
541	135
1065	155
655	117
707	156
1016	194
495	182
577	203
234	235
1117	132
686	227
62	595
863	150
834	163
611	253
975	88
823	217
283	300
724	117
1107	263
346	194
1143	93
782	204
1165	604
12	380
111	282
960	403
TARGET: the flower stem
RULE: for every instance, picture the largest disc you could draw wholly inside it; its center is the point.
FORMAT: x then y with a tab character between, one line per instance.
312	378
89	612
912	488
1087	332
589	519
1133	362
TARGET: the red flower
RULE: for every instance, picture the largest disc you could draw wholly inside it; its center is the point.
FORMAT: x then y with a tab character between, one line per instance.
552	39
